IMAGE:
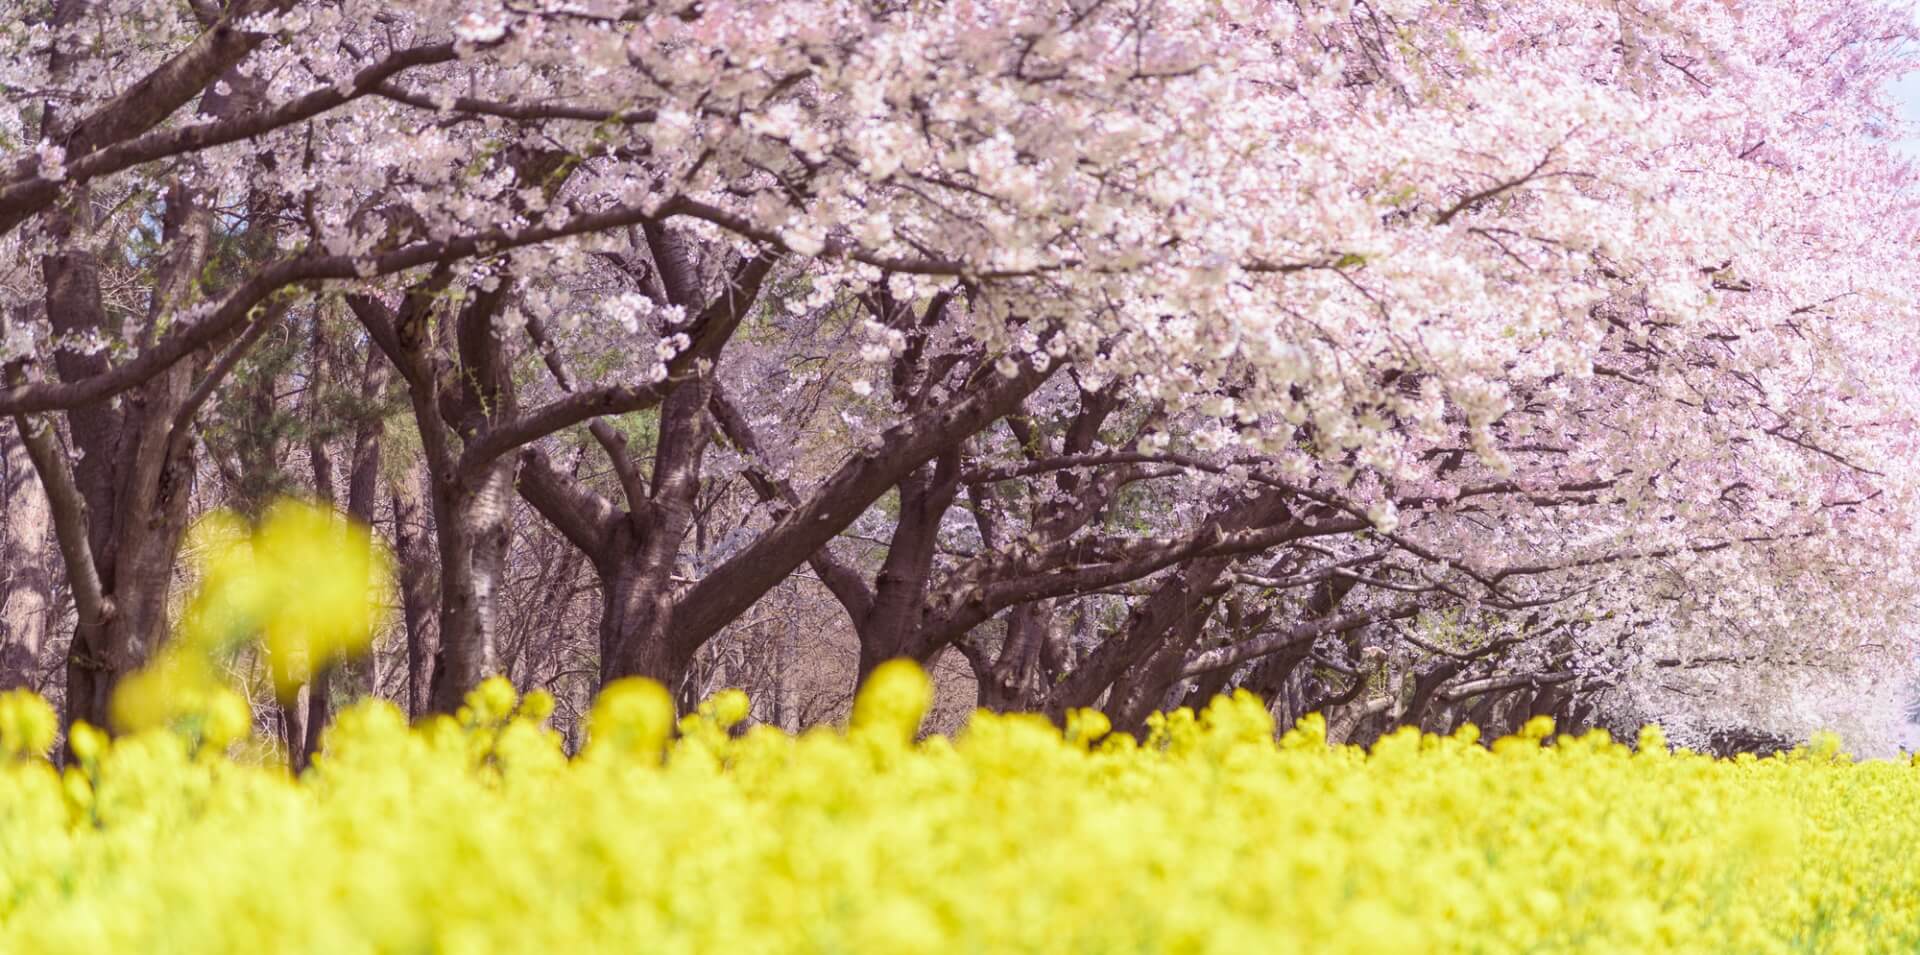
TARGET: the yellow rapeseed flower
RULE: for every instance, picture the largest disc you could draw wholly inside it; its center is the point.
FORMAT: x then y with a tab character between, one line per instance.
631	719
27	724
480	835
894	701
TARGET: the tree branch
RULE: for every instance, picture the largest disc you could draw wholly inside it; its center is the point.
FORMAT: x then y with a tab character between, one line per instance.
708	333
583	517
843	497
1232	655
234	306
842	580
69	508
21	199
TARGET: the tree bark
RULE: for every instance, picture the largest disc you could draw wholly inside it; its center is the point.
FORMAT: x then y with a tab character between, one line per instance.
419	584
28	598
892	622
363	490
644	587
472	539
469	505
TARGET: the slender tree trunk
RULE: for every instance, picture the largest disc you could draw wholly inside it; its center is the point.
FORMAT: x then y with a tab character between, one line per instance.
363	476
363	490
303	735
293	733
419	584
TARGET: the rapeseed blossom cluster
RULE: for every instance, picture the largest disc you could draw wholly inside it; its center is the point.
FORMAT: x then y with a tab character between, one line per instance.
477	833
303	583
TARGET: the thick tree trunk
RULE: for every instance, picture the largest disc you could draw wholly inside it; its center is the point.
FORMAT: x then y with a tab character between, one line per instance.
473	545
1012	682
468	502
27	601
136	520
893	621
633	641
1150	685
1146	656
803	530
640	600
120	509
137	573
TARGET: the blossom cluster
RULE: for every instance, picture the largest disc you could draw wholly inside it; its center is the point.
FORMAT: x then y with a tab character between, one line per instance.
1578	305
478	833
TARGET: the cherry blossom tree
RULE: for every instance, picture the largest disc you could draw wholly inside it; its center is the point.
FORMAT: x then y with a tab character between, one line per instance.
1414	361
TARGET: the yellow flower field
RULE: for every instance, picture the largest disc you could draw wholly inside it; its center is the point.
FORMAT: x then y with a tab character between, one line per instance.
479	835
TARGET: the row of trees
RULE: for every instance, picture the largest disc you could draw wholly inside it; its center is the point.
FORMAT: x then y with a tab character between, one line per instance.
1415	362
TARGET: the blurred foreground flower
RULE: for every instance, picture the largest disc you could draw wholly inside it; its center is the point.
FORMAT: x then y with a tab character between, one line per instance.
305	582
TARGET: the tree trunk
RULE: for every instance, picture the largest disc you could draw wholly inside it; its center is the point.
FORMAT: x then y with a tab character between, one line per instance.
473	545
419	585
363	491
645	585
137	572
355	676
27	601
303	734
632	642
120	509
293	735
1014	681
893	621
